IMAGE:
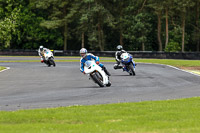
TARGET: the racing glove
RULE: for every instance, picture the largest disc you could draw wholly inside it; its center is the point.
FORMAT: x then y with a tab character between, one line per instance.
97	62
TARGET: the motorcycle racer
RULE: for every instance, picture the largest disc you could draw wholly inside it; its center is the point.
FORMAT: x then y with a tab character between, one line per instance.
88	56
41	52
118	54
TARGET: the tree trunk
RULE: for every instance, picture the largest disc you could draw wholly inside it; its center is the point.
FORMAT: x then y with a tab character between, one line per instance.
102	40
99	37
197	25
167	29
83	40
65	30
159	32
183	33
143	47
65	37
121	39
120	25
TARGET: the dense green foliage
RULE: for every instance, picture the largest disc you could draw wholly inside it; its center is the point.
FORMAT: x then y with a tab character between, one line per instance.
140	25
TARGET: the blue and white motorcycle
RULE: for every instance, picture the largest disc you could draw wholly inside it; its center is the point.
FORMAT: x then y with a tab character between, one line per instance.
128	64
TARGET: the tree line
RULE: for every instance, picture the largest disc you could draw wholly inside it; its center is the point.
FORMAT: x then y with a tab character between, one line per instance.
138	25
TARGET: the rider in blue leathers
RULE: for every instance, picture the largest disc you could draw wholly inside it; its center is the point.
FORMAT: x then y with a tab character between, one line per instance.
88	56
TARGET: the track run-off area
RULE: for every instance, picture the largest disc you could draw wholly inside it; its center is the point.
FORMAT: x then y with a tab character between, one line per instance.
30	85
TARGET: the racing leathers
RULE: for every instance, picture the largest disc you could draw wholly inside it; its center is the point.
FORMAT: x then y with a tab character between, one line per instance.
118	59
41	54
90	56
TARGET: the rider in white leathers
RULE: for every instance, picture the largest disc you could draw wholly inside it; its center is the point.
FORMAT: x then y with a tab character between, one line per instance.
41	52
118	54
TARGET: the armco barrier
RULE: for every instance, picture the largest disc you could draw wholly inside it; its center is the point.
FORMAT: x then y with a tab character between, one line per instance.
17	52
136	54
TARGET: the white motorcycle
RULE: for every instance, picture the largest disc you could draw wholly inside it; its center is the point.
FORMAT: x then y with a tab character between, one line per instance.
49	58
96	73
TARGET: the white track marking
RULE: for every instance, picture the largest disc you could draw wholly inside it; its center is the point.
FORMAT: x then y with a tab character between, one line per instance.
175	68
7	68
183	70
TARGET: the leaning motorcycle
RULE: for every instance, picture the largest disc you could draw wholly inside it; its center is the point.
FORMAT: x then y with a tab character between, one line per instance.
96	74
49	58
128	63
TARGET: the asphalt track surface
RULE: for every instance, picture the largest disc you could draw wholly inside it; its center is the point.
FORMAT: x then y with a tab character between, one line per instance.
34	85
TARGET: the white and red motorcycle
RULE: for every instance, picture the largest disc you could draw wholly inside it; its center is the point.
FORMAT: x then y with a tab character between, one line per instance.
96	73
49	58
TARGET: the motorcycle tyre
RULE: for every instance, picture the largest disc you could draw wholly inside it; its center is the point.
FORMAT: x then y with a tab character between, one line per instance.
109	84
52	62
48	63
97	80
132	69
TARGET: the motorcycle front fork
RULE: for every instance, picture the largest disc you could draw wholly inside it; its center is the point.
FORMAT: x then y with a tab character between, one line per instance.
125	67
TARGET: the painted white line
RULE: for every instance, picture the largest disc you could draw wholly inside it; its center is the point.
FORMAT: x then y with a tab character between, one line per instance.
7	68
175	68
183	70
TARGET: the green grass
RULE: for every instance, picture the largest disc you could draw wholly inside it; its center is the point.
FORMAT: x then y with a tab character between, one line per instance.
2	68
177	63
170	116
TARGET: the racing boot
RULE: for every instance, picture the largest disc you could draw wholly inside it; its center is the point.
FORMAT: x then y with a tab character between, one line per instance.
116	66
106	71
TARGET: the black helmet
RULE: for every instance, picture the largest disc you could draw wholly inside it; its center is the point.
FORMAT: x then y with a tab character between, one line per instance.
119	47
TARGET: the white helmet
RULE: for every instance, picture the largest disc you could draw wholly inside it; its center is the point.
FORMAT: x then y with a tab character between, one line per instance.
41	48
83	51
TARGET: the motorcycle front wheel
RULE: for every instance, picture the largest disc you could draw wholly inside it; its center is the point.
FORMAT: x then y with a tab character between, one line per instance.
97	79
132	69
52	62
109	84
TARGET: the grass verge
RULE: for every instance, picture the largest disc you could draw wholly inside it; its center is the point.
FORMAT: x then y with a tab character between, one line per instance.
176	63
2	68
170	116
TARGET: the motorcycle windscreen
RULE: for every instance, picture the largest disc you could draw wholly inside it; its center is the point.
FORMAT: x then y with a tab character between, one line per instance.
88	63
